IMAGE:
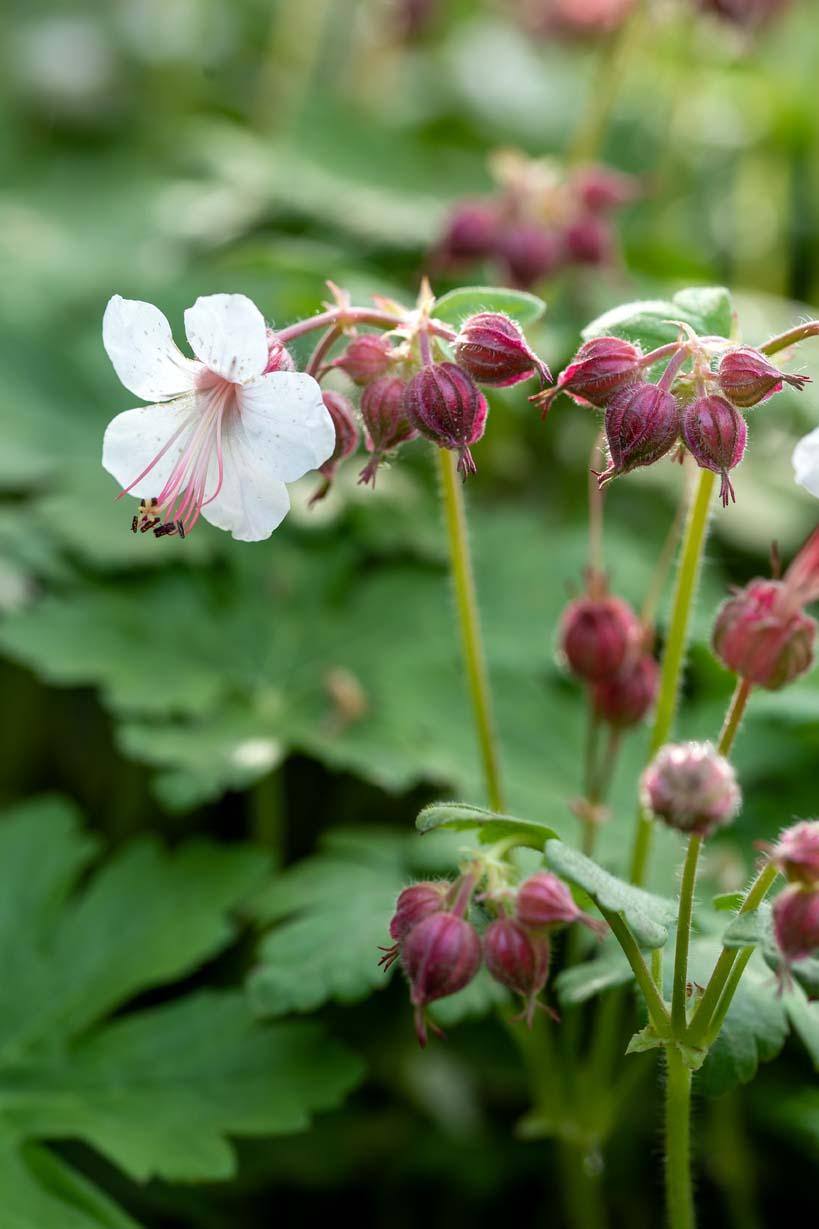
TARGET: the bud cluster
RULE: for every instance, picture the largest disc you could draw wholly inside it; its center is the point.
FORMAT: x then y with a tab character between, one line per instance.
441	951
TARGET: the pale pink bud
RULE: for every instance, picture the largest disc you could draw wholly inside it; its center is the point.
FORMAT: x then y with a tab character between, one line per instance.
385	417
544	902
691	787
715	434
796	853
596	635
366	358
518	960
796	925
642	425
600	188
279	357
445	405
747	377
763	636
491	348
625	699
440	955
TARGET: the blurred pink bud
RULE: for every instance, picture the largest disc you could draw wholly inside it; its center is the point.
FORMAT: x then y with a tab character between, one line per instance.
492	349
747	13
625	699
642	425
385	417
691	787
446	406
471	231
544	902
529	253
796	853
518	960
590	241
715	434
762	634
347	436
279	357
600	189
440	955
366	358
796	926
596	635
747	377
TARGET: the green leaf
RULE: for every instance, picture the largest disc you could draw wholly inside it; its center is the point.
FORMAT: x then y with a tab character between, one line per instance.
488	825
580	982
728	902
453	308
40	1190
707	310
482	995
747	929
649	916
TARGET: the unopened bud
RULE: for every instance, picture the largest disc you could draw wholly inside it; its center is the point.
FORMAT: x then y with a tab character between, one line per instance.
642	425
518	960
590	241
446	405
796	853
544	903
796	926
470	232
440	955
600	369
596	634
691	787
347	435
492	349
762	636
625	699
745	13
385	417
366	358
279	357
747	377
715	434
600	189
530	253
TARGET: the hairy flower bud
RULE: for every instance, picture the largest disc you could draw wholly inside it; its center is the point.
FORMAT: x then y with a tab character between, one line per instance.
600	369
385	417
796	853
642	424
491	348
446	405
590	241
471	231
691	787
440	955
596	634
366	358
279	357
796	926
763	636
625	699
529	253
518	960
544	903
747	377
715	434
347	435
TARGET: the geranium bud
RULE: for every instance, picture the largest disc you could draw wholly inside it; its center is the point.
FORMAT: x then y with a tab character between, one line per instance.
518	960
599	188
544	902
415	903
796	853
366	358
600	368
691	787
440	955
715	434
589	241
529	253
445	404
471	231
746	13
747	377
596	634
385	417
279	357
625	699
347	435
642	424
492	349
796	926
763	635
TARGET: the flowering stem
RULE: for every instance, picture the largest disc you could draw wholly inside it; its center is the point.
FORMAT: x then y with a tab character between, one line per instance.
686	910
343	317
679	1196
326	344
658	1013
783	340
693	544
467	604
733	718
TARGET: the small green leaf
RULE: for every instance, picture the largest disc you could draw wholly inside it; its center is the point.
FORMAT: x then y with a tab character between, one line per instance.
707	310
649	916
728	902
454	307
747	929
643	1040
581	982
488	825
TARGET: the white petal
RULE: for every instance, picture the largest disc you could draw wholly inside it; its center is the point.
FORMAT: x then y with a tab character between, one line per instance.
806	462
284	424
251	503
228	333
138	340
135	437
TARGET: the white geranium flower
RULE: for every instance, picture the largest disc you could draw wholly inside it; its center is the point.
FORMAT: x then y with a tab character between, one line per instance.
806	462
225	435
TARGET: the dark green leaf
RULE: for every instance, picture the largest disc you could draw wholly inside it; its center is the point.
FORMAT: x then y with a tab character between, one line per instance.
487	825
651	323
581	982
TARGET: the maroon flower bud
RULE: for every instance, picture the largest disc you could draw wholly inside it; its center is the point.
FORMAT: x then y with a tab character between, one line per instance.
470	232
415	903
796	926
343	416
440	955
748	13
517	959
763	635
529	253
596	635
715	434
599	188
747	377
642	424
492	349
366	358
386	421
691	787
796	853
600	368
279	357
590	241
625	700
544	902
446	405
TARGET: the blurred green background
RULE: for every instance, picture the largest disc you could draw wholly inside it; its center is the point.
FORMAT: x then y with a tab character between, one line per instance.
304	694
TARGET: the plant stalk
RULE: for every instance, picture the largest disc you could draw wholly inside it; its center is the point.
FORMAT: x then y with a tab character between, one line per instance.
686	912
679	1193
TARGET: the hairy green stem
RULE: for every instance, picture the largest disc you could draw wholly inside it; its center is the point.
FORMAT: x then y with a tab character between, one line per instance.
783	340
733	718
657	1011
686	912
679	1194
580	1186
467	604
696	530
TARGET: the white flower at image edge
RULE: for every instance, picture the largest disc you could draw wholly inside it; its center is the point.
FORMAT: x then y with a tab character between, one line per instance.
806	462
223	437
